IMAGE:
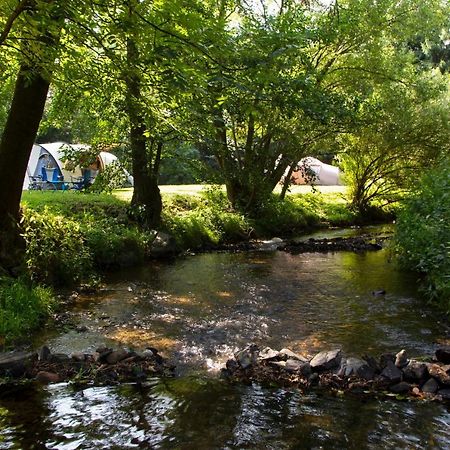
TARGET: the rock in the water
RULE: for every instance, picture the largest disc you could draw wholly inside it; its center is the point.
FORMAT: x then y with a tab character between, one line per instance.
117	356
289	354
47	377
164	246
78	356
267	353
444	393
439	374
385	358
297	366
59	358
15	364
392	373
326	360
431	386
248	356
401	360
415	371
44	353
443	354
349	366
378	292
280	364
232	365
400	388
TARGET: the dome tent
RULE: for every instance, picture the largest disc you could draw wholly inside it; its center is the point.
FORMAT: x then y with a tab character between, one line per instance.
45	164
310	170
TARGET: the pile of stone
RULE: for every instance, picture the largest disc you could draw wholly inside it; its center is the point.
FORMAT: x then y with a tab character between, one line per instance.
104	366
353	244
390	374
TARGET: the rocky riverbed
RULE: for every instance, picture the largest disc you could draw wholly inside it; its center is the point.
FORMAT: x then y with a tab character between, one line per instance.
104	366
390	374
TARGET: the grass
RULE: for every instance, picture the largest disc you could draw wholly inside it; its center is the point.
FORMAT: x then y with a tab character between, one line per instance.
197	189
23	306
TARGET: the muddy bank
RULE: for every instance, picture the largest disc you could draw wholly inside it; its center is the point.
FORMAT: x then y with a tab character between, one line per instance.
389	375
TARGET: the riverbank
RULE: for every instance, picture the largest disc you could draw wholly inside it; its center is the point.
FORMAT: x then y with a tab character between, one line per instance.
73	238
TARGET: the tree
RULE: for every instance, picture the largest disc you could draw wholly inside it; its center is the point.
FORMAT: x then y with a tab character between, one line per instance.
40	29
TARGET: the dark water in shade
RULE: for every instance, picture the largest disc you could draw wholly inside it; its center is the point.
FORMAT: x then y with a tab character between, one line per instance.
199	310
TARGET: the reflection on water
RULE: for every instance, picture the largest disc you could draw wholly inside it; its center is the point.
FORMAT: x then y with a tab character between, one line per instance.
197	413
202	308
199	310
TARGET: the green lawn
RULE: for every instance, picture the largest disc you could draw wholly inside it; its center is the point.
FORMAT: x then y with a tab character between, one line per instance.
195	189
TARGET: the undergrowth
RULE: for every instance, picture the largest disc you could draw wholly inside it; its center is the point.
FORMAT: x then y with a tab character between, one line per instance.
23	306
423	234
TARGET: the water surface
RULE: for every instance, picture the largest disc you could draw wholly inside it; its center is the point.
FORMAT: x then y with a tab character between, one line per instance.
201	308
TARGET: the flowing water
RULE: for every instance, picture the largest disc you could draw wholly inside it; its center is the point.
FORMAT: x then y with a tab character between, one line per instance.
198	310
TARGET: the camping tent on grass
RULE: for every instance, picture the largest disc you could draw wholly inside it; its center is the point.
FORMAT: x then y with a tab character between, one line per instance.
310	170
45	169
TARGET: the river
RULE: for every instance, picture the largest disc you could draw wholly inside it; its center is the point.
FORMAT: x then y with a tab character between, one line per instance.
201	308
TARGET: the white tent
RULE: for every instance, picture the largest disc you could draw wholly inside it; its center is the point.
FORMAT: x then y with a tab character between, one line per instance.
45	164
310	170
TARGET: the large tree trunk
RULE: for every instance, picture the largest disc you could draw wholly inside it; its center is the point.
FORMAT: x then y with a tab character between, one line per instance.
146	201
15	147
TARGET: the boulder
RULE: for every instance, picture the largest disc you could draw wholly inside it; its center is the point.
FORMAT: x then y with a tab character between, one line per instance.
267	353
431	386
415	371
372	363
15	364
401	360
117	356
279	364
443	354
285	353
232	365
392	373
59	358
400	388
439	373
297	366
385	358
47	377
349	366
163	246
326	360
78	356
248	356
44	353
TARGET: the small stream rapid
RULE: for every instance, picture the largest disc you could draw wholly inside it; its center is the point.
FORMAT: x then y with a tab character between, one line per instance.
201	308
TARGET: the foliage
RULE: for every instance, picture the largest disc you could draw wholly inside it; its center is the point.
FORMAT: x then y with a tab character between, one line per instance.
111	177
196	221
55	252
402	131
423	232
23	306
70	237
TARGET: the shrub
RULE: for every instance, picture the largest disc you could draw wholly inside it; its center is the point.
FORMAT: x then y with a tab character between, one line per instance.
423	233
22	307
55	252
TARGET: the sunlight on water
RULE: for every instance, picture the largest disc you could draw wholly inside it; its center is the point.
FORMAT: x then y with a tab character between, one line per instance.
199	310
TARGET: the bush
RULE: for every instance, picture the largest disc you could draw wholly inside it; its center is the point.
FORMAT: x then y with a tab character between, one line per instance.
55	248
22	307
423	233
